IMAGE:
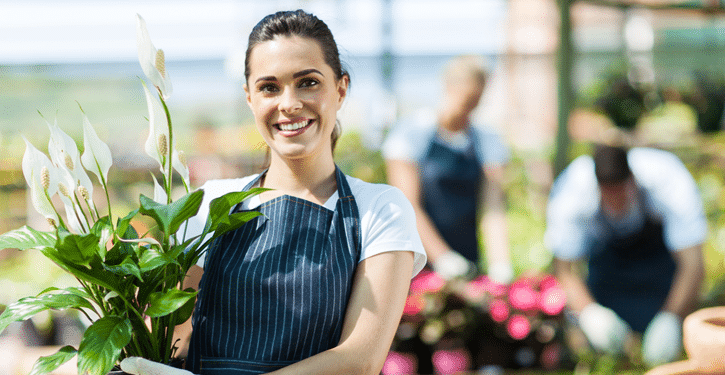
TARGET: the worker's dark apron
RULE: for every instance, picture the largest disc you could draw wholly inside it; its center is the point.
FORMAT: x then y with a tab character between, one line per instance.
275	291
451	181
632	275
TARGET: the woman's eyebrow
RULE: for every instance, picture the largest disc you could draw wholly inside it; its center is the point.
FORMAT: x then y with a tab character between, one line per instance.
295	75
306	72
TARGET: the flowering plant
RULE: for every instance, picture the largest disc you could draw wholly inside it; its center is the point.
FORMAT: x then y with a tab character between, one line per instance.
130	282
516	325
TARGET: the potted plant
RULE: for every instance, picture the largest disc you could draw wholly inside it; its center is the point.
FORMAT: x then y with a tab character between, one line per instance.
129	282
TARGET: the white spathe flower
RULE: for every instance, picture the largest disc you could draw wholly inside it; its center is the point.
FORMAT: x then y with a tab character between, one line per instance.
73	214
181	166
64	154
40	175
97	156
33	162
160	196
152	60
157	142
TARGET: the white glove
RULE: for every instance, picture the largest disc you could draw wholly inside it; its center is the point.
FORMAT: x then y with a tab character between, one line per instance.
501	272
450	265
662	340
141	366
604	329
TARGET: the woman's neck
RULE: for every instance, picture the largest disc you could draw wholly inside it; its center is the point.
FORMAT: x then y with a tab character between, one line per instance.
313	181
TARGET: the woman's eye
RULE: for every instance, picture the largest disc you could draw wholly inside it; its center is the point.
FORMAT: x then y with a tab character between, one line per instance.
267	88
308	82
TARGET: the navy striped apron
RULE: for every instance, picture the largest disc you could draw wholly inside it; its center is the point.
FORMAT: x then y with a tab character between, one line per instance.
451	182
633	274
275	291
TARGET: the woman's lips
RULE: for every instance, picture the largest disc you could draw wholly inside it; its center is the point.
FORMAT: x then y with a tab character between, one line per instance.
291	129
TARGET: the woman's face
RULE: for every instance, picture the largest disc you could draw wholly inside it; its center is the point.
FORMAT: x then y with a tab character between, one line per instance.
294	96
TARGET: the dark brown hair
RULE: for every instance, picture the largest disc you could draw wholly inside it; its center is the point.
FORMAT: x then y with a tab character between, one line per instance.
610	164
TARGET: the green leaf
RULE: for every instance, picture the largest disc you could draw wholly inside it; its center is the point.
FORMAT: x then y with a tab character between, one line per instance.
184	312
92	275
124	227
152	259
161	304
220	207
102	343
77	248
125	268
47	364
26	238
169	217
29	306
103	230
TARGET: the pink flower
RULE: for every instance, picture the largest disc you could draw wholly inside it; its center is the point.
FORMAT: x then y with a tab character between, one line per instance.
427	282
451	361
496	289
522	296
414	304
518	327
552	300
399	363
499	310
477	288
547	282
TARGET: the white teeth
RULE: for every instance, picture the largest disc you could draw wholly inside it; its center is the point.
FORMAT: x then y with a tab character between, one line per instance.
294	126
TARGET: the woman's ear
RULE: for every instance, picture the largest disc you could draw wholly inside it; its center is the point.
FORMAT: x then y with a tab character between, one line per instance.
249	97
342	85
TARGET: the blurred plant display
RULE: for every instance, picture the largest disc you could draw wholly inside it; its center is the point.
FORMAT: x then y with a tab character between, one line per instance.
460	324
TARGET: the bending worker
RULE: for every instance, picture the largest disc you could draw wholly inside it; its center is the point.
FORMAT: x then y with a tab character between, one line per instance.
636	217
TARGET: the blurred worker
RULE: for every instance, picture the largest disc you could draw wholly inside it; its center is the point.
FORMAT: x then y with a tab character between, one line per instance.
636	216
452	171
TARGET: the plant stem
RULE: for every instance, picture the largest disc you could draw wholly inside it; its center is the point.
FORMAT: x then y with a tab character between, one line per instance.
170	147
60	219
104	184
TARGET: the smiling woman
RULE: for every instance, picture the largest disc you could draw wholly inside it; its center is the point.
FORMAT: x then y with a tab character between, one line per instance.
317	284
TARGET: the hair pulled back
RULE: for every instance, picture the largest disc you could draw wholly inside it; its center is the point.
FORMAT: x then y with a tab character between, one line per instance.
305	25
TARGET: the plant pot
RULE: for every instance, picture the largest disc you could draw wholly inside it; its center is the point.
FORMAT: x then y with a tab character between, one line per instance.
704	339
704	342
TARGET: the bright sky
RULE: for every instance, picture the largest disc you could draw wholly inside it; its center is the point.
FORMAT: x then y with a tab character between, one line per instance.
51	31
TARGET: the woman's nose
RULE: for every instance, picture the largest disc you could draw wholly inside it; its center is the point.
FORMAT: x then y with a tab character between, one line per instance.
289	101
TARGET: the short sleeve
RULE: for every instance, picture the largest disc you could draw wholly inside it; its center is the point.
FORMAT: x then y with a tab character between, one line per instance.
570	211
673	195
387	222
407	139
491	147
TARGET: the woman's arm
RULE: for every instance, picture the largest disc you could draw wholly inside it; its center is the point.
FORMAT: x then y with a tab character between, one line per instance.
494	226
182	332
373	313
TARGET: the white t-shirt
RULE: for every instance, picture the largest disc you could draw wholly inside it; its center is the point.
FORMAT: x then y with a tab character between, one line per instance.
387	219
575	228
409	141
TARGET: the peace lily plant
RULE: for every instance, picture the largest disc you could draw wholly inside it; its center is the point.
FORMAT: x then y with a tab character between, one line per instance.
129	282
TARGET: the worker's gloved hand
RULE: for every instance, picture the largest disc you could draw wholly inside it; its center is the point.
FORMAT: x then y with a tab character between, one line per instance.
604	329
501	272
450	265
662	340
141	366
